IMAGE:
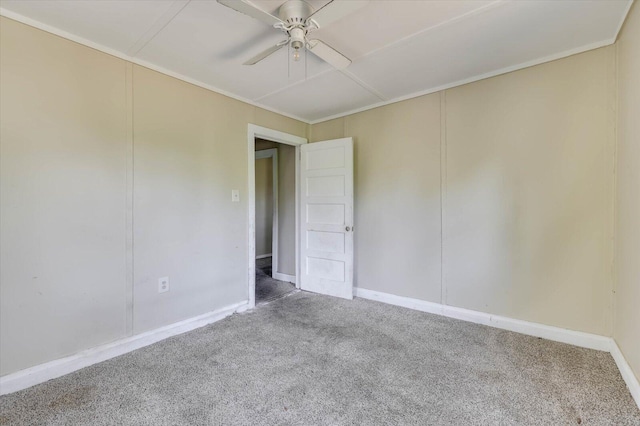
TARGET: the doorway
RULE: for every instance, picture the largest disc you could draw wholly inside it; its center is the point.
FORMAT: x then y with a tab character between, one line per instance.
275	275
323	206
275	201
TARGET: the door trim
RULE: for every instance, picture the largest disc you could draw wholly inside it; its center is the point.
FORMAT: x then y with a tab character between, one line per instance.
253	132
273	154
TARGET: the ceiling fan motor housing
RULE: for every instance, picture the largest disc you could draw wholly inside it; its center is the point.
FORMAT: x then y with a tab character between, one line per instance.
295	14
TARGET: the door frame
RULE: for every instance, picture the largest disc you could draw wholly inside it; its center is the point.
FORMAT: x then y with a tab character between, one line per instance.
253	132
263	155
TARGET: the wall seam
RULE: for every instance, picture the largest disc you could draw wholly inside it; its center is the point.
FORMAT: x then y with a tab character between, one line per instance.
129	268
443	186
614	219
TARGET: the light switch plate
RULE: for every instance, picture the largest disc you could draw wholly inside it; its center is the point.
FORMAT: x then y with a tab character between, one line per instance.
235	195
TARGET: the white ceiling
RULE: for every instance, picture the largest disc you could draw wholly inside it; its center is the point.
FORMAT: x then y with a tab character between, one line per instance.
399	48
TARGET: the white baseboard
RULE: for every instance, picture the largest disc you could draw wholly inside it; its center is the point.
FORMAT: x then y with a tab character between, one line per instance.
284	277
262	256
627	373
51	370
41	373
577	338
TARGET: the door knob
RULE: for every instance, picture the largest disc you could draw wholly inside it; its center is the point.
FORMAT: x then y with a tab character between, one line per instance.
348	229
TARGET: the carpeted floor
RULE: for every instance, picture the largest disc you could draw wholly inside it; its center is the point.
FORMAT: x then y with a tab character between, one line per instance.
268	289
314	360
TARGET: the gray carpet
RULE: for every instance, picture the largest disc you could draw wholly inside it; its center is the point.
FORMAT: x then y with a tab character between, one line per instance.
314	360
268	289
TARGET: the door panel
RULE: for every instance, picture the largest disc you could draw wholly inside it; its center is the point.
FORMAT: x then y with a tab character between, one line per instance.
326	203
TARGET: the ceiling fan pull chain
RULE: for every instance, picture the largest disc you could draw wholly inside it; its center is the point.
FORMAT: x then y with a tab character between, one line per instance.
306	66
289	61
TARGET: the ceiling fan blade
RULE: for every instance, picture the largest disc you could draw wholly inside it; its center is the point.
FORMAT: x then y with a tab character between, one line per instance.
329	54
249	9
335	10
260	56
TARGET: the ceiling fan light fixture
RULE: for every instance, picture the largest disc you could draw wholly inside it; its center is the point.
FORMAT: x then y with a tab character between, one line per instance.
297	36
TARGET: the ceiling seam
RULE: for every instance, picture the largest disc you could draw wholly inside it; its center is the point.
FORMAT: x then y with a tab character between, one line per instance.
364	85
172	11
292	85
448	22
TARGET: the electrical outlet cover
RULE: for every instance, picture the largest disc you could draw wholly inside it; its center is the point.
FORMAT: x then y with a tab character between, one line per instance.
163	285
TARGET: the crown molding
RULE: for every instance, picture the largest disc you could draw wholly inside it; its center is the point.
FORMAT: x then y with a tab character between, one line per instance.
473	79
72	37
113	52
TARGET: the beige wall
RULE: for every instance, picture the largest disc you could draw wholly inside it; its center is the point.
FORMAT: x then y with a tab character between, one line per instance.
627	294
286	205
264	206
113	176
397	195
63	151
528	193
523	164
190	151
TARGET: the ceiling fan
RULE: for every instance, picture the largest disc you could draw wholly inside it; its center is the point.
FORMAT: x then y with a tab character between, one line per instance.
297	19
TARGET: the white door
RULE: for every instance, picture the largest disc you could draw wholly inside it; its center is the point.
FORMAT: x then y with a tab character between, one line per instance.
326	217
